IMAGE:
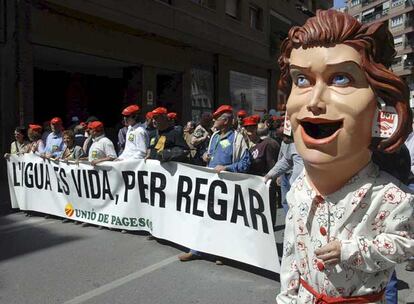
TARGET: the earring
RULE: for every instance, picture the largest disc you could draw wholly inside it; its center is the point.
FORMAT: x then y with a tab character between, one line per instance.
287	127
385	120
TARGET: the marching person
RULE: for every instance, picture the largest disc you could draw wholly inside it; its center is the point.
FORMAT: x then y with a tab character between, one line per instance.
102	148
54	141
150	128
71	151
201	137
169	143
227	151
172	116
37	145
137	141
21	144
241	114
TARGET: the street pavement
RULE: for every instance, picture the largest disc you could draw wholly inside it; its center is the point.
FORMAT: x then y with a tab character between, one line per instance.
46	261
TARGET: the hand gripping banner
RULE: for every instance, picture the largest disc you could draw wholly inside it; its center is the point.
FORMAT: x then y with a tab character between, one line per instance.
222	214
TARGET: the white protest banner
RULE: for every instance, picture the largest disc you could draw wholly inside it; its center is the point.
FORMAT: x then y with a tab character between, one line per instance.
223	214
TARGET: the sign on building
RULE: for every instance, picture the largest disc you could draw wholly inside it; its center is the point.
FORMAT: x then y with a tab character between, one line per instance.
248	92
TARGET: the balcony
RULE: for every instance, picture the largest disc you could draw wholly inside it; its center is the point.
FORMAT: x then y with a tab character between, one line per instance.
374	16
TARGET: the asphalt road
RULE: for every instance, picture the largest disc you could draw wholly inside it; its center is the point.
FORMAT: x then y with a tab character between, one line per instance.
46	261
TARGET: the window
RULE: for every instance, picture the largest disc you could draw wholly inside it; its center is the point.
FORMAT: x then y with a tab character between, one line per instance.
396	21
355	2
207	3
255	16
398	41
232	8
395	3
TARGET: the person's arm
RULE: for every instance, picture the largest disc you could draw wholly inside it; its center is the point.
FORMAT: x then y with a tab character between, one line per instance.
272	150
78	153
283	165
109	150
242	165
289	273
13	148
141	141
392	246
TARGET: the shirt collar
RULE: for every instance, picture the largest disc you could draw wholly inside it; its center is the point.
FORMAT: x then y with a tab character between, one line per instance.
98	138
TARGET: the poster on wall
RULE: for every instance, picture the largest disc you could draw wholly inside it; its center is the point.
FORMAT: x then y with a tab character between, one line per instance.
202	92
248	92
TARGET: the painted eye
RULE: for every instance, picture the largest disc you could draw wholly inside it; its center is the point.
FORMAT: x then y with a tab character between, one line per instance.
302	81
340	80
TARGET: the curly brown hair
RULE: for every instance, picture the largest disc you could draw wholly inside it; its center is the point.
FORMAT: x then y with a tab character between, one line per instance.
375	45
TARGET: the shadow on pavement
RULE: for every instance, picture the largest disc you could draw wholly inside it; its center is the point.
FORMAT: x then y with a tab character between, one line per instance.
27	238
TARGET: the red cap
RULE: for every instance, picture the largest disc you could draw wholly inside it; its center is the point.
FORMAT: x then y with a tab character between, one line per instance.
159	111
257	117
130	110
35	128
249	121
242	113
172	115
221	110
148	115
95	125
56	121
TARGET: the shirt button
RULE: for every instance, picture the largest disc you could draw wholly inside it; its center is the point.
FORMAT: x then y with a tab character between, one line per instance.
321	266
322	230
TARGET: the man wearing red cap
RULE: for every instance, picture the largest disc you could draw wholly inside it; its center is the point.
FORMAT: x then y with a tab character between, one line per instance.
172	116
169	144
227	151
137	141
102	148
54	141
241	114
150	128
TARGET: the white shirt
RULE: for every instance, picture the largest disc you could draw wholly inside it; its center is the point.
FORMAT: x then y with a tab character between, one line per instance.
373	218
136	143
101	147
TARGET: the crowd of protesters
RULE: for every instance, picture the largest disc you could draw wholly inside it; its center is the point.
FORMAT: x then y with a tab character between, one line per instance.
222	140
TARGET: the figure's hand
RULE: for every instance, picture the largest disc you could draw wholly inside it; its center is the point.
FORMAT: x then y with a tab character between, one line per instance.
219	168
7	156
266	178
330	254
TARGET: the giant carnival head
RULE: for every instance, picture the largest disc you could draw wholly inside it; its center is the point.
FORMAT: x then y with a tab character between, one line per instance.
336	73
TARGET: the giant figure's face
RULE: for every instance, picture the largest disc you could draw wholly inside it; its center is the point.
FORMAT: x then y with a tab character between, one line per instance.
331	105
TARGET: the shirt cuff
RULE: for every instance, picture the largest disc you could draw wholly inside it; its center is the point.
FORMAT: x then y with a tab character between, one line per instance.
349	248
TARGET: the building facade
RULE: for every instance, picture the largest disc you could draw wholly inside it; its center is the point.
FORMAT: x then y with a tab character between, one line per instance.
400	17
93	57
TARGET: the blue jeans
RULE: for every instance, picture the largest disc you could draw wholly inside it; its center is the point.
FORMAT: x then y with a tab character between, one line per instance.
391	291
284	189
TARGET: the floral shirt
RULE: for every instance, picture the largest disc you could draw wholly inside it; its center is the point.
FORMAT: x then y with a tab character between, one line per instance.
372	216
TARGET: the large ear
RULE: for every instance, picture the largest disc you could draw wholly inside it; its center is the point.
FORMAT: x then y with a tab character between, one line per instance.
383	47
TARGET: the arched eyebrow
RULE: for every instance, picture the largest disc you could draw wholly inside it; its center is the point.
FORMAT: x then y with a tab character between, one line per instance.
342	64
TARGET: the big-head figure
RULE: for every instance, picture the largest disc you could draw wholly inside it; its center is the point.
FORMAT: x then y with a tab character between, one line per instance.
344	212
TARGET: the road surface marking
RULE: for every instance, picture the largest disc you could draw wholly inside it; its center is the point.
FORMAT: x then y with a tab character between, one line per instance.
117	283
